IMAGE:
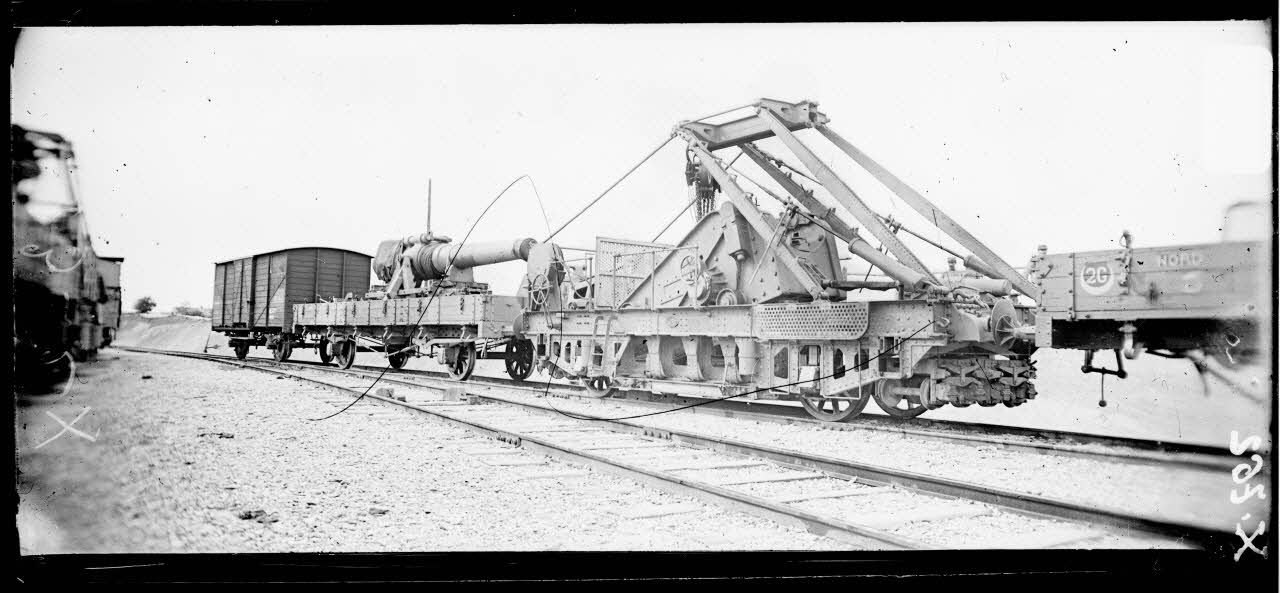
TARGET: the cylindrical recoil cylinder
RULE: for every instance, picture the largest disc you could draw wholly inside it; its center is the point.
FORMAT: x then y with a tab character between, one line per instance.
912	279
988	285
431	262
973	263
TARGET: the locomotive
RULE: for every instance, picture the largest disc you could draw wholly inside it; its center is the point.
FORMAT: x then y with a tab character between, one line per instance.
66	298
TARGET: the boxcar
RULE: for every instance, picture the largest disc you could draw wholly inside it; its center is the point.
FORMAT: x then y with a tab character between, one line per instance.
253	297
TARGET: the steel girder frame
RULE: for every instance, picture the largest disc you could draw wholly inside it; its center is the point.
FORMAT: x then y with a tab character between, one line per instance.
843	193
776	118
752	213
839	227
930	212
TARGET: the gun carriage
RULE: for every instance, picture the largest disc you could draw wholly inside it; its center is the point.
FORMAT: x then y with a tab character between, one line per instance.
430	306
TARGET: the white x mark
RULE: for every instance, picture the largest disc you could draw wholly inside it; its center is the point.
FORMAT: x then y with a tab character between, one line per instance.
67	427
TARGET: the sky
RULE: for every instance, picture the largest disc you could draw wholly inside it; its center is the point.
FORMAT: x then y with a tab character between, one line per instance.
202	144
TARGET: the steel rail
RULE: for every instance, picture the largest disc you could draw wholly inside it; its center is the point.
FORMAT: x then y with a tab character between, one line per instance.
1021	503
1043	441
1036	440
858	535
1034	505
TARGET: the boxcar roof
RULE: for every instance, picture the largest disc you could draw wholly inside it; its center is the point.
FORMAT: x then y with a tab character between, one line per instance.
294	249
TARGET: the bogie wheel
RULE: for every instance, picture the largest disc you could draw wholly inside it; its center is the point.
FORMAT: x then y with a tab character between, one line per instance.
345	352
836	410
519	359
326	355
282	351
397	360
599	387
464	362
898	406
242	350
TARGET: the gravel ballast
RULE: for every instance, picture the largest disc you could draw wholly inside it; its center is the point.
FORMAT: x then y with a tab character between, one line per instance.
205	457
1170	492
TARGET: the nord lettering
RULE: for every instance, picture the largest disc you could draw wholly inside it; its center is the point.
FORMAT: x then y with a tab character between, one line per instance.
1179	260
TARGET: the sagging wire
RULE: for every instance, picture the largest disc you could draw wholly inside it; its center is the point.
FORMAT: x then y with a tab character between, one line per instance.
545	219
432	296
610	188
858	367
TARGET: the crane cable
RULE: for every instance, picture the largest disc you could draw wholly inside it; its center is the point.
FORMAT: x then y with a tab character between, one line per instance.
610	188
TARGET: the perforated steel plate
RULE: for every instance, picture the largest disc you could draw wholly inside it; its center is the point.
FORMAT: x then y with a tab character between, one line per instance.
621	265
810	321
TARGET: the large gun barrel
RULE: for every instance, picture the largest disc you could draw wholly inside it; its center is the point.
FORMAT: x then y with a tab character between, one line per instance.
432	261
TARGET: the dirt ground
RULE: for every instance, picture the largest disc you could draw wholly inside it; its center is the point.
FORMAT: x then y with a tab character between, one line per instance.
168	455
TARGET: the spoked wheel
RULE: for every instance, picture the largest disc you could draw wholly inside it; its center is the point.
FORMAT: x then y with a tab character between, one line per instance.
326	355
836	410
397	360
519	359
896	405
345	352
599	387
242	350
464	362
282	351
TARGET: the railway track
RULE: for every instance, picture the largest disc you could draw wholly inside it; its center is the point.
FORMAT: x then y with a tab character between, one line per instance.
1043	441
861	504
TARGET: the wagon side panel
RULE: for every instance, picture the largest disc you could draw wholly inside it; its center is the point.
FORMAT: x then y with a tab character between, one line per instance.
262	283
219	294
355	273
300	283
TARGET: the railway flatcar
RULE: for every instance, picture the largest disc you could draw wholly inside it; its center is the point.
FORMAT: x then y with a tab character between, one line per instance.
254	297
1203	302
58	291
430	306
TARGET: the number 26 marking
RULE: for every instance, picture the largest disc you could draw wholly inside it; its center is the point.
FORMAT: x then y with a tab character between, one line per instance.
1096	276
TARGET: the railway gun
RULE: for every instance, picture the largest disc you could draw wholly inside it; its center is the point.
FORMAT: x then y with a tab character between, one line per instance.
755	304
